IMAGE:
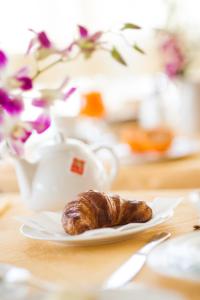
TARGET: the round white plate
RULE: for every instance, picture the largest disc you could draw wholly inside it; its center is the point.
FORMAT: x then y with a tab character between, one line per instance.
81	240
181	147
179	257
47	226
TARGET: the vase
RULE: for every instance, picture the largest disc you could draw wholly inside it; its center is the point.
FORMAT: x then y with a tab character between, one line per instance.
188	114
152	110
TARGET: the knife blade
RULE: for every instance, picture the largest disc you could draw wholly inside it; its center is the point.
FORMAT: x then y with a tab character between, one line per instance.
134	264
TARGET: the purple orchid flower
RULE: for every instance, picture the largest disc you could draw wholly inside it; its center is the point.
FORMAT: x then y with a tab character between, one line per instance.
42	45
19	80
40	102
42	123
17	147
13	106
83	32
17	144
25	83
174	60
23	80
44	40
69	93
21	133
3	59
171	70
25	136
47	96
96	36
86	42
3	97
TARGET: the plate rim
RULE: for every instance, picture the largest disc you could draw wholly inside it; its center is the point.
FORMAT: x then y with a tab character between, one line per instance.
152	158
92	239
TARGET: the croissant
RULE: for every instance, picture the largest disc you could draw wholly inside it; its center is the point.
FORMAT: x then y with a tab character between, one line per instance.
92	209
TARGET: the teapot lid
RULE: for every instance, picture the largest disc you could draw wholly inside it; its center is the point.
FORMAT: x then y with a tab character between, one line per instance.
59	143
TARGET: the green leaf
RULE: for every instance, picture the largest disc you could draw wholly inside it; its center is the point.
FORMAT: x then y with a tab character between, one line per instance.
117	56
138	49
130	26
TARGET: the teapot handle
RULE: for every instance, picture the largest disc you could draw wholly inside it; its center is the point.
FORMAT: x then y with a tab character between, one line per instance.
114	163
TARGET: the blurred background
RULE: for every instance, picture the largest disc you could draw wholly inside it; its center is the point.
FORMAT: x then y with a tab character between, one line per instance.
59	18
147	111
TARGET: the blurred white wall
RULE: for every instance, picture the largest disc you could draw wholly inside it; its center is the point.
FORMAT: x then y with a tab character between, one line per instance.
59	17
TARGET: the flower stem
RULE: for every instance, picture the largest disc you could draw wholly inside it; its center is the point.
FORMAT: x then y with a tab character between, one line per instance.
54	63
39	72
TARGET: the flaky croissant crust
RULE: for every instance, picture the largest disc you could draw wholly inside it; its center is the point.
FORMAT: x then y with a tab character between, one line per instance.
92	209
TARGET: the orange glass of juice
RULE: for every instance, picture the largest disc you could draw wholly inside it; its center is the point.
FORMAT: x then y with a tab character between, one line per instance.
92	105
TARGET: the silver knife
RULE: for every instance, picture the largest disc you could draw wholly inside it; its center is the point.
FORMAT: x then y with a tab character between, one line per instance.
134	264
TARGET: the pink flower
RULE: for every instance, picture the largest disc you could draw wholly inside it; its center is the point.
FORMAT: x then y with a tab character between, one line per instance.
20	79
83	31
84	34
86	42
40	102
11	105
25	83
44	40
25	136
17	147
23	79
174	60
69	93
14	106
3	59
168	43
171	70
3	97
21	133
96	36
42	123
16	134
48	96
41	40
42	45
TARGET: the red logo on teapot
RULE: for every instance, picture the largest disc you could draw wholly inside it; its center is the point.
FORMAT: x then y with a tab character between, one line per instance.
77	166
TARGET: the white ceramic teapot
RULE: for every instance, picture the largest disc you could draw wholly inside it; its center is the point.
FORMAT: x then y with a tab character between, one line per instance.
62	171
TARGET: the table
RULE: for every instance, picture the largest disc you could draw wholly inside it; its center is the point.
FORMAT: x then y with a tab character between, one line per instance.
8	180
174	174
86	266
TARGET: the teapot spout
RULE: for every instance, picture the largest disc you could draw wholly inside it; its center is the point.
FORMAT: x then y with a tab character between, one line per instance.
25	172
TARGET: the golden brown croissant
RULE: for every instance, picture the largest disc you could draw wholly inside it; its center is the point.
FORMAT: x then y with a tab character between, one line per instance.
91	210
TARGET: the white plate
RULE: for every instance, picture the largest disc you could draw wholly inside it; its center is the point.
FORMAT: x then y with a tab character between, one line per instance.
181	147
179	257
47	226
